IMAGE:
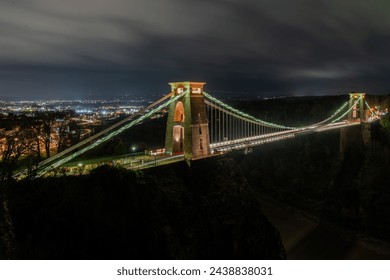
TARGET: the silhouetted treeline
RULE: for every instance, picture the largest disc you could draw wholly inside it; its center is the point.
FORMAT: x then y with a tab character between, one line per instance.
206	211
27	140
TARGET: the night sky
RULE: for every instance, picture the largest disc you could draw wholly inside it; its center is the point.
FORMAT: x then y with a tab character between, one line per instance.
92	48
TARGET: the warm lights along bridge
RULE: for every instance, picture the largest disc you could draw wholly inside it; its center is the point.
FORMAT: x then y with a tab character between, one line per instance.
200	125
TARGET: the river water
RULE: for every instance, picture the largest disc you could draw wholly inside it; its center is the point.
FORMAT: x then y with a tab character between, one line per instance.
305	239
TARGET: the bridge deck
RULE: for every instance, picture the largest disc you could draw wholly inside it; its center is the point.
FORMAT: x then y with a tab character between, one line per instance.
243	143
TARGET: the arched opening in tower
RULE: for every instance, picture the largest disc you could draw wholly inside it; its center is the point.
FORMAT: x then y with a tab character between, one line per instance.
178	139
179	112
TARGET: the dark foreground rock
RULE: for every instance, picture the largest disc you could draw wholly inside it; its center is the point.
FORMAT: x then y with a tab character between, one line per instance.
206	211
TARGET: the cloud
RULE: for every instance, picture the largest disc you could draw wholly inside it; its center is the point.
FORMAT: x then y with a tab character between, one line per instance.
274	47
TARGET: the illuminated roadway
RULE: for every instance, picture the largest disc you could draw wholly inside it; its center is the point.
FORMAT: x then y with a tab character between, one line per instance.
240	144
149	161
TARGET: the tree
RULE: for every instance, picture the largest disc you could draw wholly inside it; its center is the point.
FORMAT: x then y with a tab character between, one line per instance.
56	130
37	129
385	122
64	127
14	144
48	120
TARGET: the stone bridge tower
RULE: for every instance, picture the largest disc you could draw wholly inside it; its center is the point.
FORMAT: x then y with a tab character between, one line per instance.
351	136
358	112
187	130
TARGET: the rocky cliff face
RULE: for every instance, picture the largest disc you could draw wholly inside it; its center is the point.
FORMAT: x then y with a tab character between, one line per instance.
206	211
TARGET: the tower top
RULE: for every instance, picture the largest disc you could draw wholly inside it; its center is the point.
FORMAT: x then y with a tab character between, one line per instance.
356	95
194	87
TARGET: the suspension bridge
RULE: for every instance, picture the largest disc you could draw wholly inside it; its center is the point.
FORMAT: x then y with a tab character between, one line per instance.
200	125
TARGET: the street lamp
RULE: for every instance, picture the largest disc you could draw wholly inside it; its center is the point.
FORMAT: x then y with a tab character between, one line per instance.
80	169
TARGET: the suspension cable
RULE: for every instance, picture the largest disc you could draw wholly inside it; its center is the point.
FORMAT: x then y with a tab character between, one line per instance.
343	115
242	114
248	117
114	133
